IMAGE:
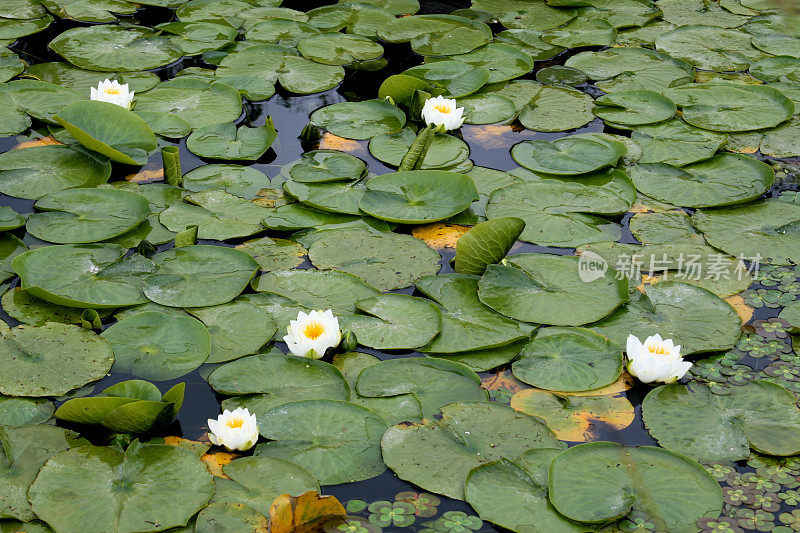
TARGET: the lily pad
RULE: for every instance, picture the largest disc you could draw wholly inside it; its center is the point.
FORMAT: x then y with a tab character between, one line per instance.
10	248
394	322
569	360
467	324
83	475
115	48
226	141
674	142
236	328
556	109
360	120
386	260
336	441
274	254
336	197
199	276
418	196
199	104
581	31
158	346
567	156
51	360
433	382
724	179
710	47
75	216
40	99
241	181
110	130
758	415
217	215
503	61
444	150
692	317
466	437
486	244
338	48
551	289
24	411
317	289
319	166
634	108
604	481
96	276
441	35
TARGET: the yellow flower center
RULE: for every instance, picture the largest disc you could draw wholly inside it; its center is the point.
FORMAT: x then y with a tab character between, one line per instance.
235	423
657	350
112	91
442	108
313	330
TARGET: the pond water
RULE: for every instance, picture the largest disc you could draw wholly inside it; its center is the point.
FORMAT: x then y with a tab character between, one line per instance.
764	338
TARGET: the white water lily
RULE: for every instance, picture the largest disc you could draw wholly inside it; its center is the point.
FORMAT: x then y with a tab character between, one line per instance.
656	359
235	430
441	111
114	93
312	334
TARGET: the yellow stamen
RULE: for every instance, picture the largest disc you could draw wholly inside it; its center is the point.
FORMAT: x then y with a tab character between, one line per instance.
658	350
112	91
313	330
442	108
235	423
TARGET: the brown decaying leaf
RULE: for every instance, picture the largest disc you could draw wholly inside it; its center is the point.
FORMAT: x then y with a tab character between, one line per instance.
44	141
439	235
304	513
329	141
146	176
216	460
745	311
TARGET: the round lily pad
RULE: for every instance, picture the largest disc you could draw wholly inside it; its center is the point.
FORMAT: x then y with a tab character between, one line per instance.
674	142
226	141
236	328
109	129
83	475
581	32
87	215
274	254
503	61
603	481
338	48
10	248
317	289
217	215
710	47
199	276
115	48
433	382
551	289
158	346
199	104
40	170
90	275
229	517
336	197
731	107
567	156
444	150
438	455
418	196
360	120
634	108
556	109
24	411
394	322
569	359
319	166
386	260
235	179
336	441
439	35
724	179
51	360
758	415
694	318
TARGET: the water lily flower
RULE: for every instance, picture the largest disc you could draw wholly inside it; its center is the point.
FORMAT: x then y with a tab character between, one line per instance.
113	92
441	111
235	430
312	334
656	359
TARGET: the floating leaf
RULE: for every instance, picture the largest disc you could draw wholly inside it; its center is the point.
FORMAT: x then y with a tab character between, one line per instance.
437	34
217	215
567	156
674	142
486	244
360	120
24	411
199	104
236	328
634	107
317	289
226	141
234	179
709	47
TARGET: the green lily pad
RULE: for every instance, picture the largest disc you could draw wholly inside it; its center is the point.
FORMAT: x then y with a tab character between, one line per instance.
758	415
316	289
274	254
236	328
467	324
724	179
10	248
158	346
51	360
217	215
199	276
731	107
634	108
130	407
85	11
24	411
90	275
444	151
40	99
257	481
386	260
14	28
338	48
336	441
280	31
226	141
530	41
694	318
628	69
487	109
433	382
75	216
320	166
199	104
336	197
486	244
551	289
83	475
438	455
455	78
710	47
228	517
418	196
556	109
674	142
80	80
567	156
440	35
503	61
115	48
360	120
761	230
23	451
483	360
505	494
194	38
234	179
569	359
561	75
580	32
393	409
603	481
110	130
